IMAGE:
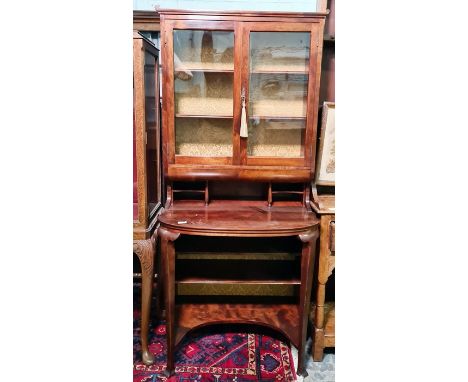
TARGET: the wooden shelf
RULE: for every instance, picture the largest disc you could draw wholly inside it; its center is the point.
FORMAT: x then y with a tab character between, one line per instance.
199	280
287	192
238	255
238	268
279	109
279	71
282	123
265	68
276	117
203	116
202	70
271	70
326	204
282	317
201	191
217	67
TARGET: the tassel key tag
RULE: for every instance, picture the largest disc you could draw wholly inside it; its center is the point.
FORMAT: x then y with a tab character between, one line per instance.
243	128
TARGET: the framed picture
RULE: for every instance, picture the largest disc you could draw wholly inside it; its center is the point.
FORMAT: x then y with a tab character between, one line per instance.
325	175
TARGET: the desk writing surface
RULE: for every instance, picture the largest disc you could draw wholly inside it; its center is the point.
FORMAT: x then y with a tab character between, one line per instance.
254	219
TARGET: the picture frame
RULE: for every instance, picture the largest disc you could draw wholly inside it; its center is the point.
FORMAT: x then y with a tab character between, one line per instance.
325	175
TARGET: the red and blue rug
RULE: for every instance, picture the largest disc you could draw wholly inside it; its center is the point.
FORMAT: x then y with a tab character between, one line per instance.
241	356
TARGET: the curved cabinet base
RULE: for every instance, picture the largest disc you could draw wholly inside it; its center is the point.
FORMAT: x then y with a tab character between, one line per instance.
290	320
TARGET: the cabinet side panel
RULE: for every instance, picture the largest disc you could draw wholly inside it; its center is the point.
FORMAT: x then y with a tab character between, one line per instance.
313	94
139	104
168	92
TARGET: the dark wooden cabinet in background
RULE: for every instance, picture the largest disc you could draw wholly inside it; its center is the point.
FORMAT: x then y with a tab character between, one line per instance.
240	104
147	192
327	81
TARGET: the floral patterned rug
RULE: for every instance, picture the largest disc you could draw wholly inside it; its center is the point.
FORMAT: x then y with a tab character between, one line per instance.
210	355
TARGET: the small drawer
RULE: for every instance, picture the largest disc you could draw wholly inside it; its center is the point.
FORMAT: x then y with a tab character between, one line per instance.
332	236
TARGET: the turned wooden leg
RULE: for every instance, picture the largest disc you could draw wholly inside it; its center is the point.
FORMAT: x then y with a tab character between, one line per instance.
307	271
144	249
318	334
324	272
168	267
317	345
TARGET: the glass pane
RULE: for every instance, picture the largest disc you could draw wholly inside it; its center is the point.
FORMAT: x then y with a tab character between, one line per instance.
278	93
152	138
155	38
203	71
204	94
208	50
276	138
203	137
279	51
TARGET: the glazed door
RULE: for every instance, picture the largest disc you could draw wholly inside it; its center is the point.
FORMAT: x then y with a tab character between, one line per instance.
153	134
201	81
279	80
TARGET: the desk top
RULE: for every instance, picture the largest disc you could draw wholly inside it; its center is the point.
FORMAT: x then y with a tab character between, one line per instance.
326	205
239	220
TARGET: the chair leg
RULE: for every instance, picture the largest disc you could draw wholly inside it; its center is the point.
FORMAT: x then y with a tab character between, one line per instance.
144	249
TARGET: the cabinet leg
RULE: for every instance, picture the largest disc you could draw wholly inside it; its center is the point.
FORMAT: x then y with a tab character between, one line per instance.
317	353
317	345
307	271
144	249
168	266
318	335
160	293
324	272
301	369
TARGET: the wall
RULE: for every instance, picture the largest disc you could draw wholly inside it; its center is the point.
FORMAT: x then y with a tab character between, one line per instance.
258	5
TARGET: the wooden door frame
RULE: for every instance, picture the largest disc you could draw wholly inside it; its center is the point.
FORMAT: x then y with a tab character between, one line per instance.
167	47
316	36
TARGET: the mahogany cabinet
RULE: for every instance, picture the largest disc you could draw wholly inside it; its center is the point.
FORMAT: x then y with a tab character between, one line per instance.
219	68
147	192
240	102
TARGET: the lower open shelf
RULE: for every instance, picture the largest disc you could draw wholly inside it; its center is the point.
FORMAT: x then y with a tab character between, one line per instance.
282	317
